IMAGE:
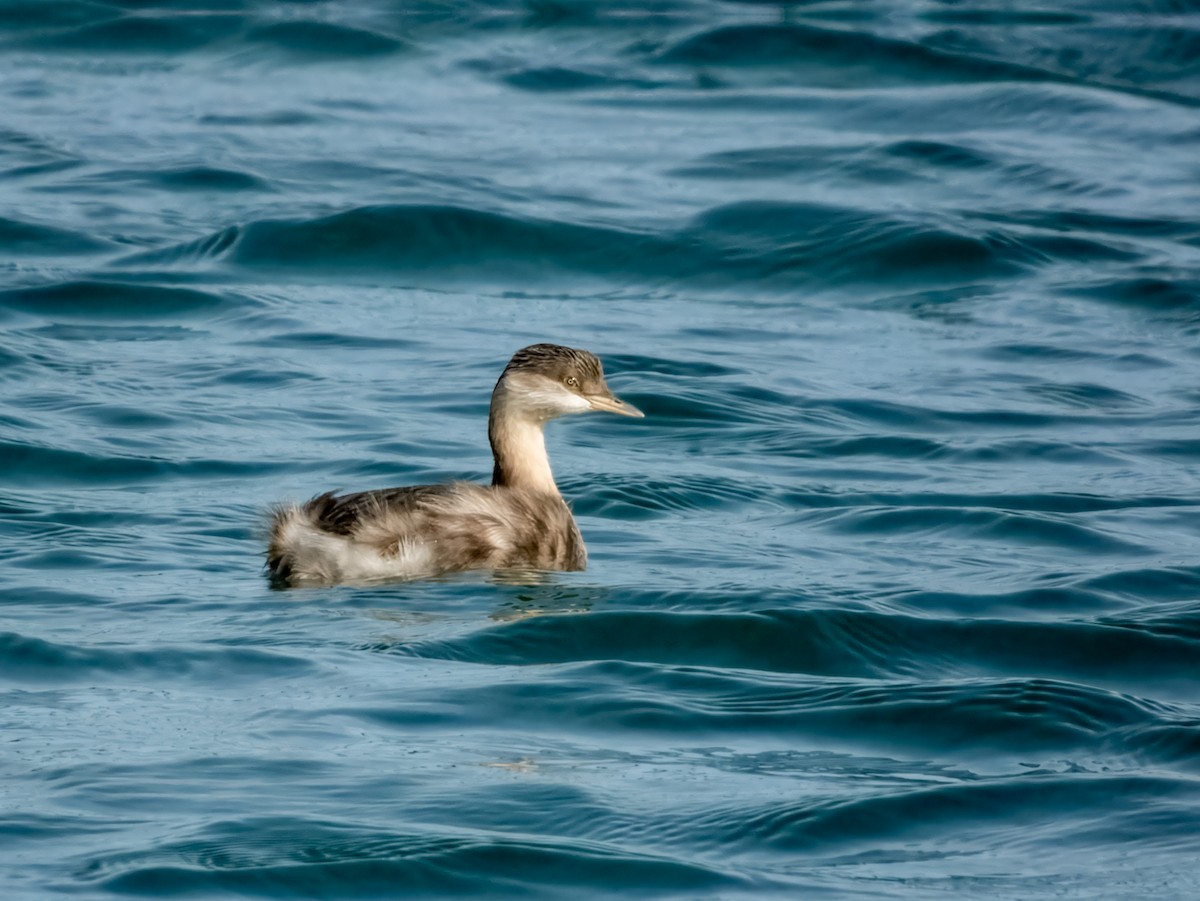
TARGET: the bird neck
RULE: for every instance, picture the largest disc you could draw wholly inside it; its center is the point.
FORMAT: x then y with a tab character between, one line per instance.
519	451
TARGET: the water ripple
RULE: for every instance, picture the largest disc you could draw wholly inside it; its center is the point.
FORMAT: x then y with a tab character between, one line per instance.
287	855
28	659
831	643
768	240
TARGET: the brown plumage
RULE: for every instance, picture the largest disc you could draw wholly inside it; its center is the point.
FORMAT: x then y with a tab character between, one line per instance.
520	521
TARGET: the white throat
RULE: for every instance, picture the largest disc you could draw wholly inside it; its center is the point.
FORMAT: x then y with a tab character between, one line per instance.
521	406
519	448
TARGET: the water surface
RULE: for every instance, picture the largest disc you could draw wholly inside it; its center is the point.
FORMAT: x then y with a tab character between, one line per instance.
894	593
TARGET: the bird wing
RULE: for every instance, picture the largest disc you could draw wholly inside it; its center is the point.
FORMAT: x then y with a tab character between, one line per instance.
342	514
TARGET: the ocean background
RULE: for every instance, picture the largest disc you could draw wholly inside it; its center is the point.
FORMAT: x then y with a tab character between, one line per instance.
895	591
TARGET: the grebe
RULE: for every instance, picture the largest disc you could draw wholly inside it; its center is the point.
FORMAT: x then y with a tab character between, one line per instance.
519	521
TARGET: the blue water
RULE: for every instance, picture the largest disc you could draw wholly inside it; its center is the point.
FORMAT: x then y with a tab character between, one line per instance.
895	591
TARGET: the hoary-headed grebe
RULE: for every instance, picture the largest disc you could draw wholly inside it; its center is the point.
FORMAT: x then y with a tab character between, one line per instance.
520	521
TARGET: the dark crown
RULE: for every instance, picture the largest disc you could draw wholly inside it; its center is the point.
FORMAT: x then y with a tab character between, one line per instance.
556	362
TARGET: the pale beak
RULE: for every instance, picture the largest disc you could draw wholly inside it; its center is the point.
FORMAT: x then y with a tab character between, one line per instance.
610	404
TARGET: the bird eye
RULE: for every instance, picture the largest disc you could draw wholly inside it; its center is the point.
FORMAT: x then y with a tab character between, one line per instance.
572	382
